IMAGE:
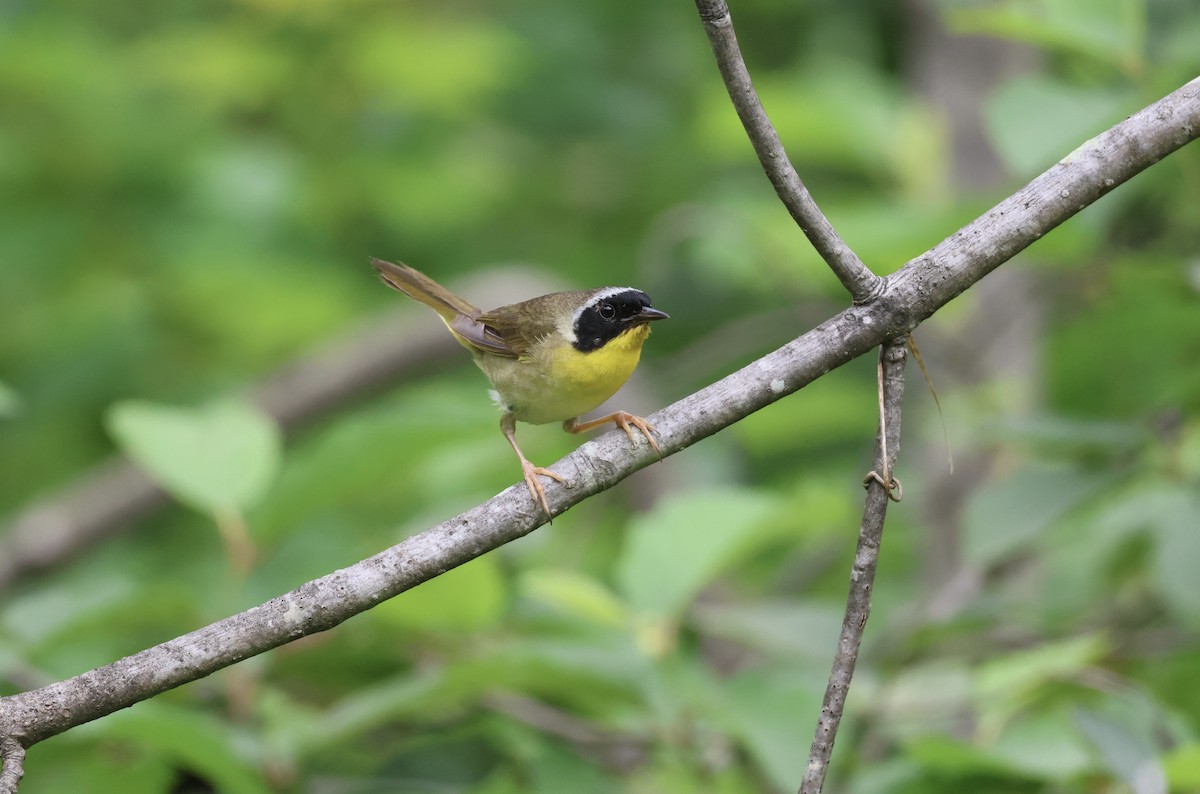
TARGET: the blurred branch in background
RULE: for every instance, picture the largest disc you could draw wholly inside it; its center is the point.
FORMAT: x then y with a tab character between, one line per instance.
110	497
1000	339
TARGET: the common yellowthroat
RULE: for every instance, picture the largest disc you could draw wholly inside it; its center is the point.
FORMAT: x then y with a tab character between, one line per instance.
550	359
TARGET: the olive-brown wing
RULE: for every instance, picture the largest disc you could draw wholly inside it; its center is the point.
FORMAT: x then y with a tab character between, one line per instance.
521	325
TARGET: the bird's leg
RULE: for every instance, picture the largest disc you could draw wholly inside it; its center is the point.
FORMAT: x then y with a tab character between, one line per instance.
622	419
508	425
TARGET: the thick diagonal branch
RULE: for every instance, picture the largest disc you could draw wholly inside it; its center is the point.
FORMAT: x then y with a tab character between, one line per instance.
856	277
862	575
911	295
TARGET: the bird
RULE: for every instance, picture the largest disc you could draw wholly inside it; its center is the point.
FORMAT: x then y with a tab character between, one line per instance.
549	359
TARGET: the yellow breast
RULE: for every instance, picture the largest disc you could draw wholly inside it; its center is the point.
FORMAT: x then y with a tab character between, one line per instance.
558	382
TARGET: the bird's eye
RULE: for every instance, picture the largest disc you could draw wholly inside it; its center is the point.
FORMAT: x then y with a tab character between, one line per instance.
607	311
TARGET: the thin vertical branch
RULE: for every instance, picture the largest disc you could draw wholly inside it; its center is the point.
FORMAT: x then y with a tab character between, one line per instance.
892	357
12	756
856	277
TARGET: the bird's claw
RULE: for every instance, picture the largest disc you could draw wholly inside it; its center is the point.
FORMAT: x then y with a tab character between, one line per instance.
531	473
627	421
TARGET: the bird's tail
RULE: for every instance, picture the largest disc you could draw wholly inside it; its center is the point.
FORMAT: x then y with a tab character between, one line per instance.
421	287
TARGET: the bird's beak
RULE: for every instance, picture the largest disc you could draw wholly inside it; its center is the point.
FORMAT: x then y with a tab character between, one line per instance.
649	313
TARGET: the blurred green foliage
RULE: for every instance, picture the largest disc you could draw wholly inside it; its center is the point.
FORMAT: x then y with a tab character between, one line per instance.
219	459
188	197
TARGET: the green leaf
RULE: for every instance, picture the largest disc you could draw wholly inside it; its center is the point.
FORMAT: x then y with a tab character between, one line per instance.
1123	748
680	546
948	755
299	729
1007	684
97	766
1080	557
1111	31
1174	518
1168	512
1012	675
1036	121
219	458
450	65
470	597
1189	450
595	672
1177	46
1182	766
782	627
838	411
574	593
194	741
1059	432
10	401
922	692
1004	516
555	769
672	772
769	710
901	775
1045	746
40	614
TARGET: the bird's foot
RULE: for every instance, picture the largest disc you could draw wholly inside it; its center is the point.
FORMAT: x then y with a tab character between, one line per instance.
627	421
531	473
622	419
